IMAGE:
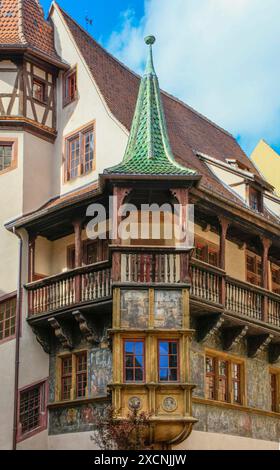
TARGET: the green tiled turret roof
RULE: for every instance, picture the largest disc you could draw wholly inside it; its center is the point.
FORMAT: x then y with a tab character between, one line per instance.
148	150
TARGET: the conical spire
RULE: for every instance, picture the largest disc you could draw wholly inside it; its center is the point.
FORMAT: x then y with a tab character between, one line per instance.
148	150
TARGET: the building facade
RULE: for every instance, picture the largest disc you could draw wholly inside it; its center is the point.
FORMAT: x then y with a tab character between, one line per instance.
189	334
267	161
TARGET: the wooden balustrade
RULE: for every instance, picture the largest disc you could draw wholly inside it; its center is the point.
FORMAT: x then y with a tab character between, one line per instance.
206	282
150	268
153	265
244	299
85	284
211	284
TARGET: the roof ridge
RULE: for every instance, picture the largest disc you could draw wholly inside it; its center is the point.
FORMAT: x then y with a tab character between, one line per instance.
135	74
20	22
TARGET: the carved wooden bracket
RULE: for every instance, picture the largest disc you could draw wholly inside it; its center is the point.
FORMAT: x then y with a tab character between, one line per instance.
208	326
232	336
256	344
62	336
86	327
43	338
274	352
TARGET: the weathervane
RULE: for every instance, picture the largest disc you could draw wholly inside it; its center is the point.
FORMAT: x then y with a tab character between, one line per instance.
89	21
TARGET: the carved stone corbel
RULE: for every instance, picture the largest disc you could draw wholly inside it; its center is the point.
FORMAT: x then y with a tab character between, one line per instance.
256	344
232	336
60	333
208	326
43	338
86	328
274	352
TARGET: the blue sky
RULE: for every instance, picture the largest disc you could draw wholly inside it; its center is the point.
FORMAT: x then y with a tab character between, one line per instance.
219	56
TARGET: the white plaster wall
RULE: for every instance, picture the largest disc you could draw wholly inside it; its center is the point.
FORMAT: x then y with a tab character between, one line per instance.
7	82
10	207
235	261
110	138
199	440
7	361
43	256
73	441
37	442
37	172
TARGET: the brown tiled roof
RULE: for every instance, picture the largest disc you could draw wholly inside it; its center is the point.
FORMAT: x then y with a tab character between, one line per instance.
22	24
189	131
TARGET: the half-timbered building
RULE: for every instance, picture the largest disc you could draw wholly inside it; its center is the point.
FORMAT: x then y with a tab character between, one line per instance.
188	334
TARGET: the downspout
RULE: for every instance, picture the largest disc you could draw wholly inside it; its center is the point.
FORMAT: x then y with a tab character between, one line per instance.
18	331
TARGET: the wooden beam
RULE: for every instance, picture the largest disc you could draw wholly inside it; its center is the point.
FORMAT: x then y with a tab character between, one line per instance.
256	344
232	336
208	325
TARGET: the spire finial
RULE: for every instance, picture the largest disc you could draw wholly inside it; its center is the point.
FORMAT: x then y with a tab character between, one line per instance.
150	40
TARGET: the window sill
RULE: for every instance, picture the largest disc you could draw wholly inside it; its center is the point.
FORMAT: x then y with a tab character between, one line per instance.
28	435
77	401
6	340
232	406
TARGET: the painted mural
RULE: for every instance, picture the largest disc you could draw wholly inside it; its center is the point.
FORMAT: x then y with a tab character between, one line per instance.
134	308
100	371
168	309
78	418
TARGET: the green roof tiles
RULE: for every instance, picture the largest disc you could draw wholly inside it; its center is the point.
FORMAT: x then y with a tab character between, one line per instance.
148	150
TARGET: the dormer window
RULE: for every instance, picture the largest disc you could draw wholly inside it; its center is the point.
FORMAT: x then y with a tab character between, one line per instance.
70	87
255	199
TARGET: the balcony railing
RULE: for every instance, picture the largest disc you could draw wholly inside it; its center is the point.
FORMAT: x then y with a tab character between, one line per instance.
139	266
82	285
212	285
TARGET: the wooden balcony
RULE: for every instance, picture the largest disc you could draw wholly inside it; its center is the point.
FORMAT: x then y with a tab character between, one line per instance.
151	265
214	290
83	285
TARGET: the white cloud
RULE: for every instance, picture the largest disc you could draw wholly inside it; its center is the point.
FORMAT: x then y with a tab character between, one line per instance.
219	56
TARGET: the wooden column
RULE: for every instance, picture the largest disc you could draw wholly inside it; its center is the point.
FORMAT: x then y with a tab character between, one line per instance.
266	244
31	257
182	195
77	224
224	224
119	196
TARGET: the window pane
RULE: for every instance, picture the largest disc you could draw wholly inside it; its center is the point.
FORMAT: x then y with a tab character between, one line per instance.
88	150
129	375
168	361
163	375
5	156
29	415
129	347
134	360
138	375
